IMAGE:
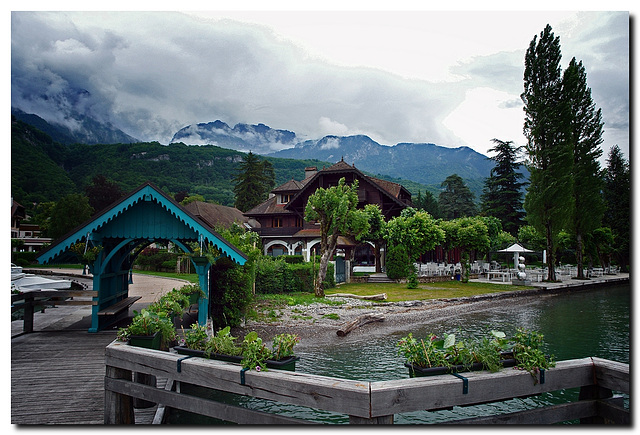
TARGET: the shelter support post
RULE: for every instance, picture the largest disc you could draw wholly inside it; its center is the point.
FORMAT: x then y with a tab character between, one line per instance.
202	269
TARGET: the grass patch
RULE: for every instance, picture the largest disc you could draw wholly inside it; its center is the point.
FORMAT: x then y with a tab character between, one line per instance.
437	290
191	277
332	316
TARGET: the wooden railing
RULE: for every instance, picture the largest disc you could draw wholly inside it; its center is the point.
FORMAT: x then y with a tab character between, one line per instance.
363	402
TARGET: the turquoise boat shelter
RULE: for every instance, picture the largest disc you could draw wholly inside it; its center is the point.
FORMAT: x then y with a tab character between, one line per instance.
123	230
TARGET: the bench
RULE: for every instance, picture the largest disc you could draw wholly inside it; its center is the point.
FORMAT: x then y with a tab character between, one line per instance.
119	306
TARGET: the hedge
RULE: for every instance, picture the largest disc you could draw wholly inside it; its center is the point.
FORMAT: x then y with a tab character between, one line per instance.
276	275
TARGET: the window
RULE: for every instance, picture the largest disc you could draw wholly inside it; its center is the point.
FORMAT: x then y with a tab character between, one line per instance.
277	222
285	198
299	222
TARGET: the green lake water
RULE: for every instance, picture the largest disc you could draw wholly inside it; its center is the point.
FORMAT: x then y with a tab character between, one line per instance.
575	325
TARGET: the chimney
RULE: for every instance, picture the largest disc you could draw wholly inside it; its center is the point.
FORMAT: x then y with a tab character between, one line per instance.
310	171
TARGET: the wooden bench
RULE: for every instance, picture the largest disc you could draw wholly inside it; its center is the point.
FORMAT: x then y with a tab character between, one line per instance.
119	306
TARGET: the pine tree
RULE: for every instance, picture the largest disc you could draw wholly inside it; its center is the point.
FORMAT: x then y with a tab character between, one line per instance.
617	196
502	193
253	182
456	200
548	201
586	136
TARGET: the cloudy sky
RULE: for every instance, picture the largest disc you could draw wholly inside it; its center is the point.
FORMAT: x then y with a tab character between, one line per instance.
450	78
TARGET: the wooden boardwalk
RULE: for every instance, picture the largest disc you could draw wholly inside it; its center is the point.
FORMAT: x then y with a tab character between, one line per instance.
57	377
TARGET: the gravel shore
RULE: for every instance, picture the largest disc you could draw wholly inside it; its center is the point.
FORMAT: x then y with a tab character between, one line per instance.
316	323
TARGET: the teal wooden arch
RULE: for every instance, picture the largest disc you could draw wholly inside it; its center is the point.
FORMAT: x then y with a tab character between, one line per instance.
144	216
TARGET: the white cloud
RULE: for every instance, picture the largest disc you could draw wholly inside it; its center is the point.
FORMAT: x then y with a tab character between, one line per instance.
414	76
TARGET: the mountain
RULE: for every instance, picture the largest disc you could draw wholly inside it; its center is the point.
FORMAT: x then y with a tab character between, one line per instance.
260	139
86	129
424	163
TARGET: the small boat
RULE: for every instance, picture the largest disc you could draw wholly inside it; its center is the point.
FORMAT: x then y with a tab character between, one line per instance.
29	282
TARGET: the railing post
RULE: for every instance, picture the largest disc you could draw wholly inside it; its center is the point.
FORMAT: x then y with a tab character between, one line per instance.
28	312
118	408
591	392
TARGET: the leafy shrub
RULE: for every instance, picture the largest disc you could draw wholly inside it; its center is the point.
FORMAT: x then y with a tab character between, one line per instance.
398	266
230	293
277	276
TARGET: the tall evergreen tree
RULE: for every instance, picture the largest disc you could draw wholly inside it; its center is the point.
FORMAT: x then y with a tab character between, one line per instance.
548	201
253	182
586	136
617	196
502	193
428	203
456	200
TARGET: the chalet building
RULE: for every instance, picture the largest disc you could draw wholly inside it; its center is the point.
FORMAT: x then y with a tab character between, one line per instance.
280	219
26	233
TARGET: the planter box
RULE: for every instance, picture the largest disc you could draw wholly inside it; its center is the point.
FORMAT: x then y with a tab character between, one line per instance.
146	341
418	371
288	363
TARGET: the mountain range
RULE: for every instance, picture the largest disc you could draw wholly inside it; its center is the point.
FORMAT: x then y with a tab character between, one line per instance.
424	163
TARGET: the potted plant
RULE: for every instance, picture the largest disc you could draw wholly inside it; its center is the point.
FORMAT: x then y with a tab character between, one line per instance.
173	303
193	292
149	329
528	354
252	353
447	355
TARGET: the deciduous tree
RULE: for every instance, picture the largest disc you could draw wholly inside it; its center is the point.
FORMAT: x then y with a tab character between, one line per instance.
585	127
335	209
548	201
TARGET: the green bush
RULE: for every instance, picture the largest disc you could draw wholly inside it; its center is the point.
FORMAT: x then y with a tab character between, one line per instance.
398	266
292	259
277	276
229	293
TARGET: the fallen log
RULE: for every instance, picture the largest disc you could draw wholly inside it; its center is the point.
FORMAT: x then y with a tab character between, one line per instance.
380	297
358	322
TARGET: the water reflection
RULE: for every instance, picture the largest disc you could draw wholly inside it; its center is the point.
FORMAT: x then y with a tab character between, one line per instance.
575	325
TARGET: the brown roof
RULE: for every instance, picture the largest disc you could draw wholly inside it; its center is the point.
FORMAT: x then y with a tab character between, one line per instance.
270	206
215	215
290	186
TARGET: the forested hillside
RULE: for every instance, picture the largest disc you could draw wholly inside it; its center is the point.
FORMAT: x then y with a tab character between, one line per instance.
42	170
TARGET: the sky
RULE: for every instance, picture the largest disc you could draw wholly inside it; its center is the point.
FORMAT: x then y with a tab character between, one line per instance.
452	78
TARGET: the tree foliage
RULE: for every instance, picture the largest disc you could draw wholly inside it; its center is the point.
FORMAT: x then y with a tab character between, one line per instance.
617	195
68	213
456	200
253	182
103	192
335	209
377	230
410	235
585	127
502	193
548	200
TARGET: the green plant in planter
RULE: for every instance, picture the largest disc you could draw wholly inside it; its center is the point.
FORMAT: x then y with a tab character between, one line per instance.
283	345
487	350
148	323
222	342
192	291
527	350
423	353
195	338
173	303
254	352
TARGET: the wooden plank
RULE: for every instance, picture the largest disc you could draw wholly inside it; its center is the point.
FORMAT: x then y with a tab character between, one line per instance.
546	415
119	306
319	392
198	405
612	375
613	412
405	395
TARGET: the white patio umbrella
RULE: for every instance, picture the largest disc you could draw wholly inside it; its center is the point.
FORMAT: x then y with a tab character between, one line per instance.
516	249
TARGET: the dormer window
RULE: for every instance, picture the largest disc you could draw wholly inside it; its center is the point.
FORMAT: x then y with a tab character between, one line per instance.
285	198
